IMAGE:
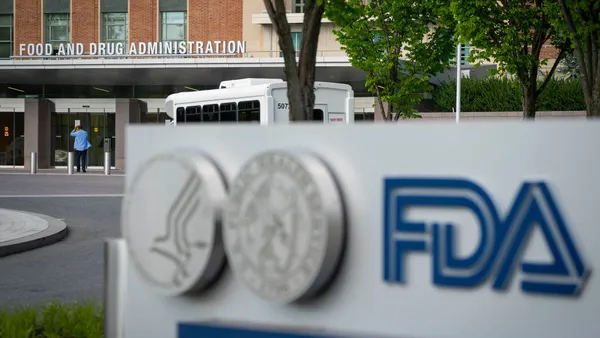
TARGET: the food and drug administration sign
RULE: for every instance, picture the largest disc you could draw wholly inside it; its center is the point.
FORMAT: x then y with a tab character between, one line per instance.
134	48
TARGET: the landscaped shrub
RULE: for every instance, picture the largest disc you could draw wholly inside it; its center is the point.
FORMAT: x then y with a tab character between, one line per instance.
501	94
84	320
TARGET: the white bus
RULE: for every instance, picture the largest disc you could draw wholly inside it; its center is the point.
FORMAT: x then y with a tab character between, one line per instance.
262	101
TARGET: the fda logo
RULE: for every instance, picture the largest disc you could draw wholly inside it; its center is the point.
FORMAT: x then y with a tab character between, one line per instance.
502	242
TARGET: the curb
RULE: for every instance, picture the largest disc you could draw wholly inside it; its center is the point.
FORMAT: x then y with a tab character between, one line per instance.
56	231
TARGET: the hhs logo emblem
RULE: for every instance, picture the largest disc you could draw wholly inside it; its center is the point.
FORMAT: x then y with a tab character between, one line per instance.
502	242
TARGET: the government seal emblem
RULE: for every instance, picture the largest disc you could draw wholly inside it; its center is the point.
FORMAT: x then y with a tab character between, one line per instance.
284	225
171	222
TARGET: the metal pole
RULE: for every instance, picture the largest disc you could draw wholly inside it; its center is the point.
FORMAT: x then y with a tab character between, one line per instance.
458	78
70	162
106	163
34	163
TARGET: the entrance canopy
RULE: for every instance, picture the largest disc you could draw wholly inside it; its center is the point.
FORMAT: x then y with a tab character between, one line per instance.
164	71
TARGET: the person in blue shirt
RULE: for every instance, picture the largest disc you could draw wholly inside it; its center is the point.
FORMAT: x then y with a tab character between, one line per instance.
81	146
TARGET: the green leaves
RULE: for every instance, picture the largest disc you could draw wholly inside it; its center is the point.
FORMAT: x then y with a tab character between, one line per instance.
83	320
493	94
399	44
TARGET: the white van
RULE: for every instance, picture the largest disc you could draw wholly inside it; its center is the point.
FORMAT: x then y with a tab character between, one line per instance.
262	101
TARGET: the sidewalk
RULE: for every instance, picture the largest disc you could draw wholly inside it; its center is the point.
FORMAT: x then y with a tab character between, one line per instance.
61	171
22	231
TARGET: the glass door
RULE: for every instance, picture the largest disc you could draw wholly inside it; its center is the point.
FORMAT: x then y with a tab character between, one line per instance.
98	124
96	137
64	123
102	128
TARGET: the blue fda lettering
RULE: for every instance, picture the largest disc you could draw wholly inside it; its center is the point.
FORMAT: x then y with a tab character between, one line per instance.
499	251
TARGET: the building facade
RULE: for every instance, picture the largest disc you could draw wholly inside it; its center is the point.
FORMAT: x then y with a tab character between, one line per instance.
107	63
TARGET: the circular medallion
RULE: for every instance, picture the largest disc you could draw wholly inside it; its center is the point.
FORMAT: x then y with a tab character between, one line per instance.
284	225
170	222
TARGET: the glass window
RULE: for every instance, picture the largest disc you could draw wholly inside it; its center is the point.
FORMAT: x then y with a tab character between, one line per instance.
57	29
210	113
173	26
249	111
6	36
359	117
228	112
298	6
193	114
297	41
317	115
114	27
180	115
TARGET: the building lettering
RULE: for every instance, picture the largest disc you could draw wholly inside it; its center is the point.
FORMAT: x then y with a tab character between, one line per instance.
135	48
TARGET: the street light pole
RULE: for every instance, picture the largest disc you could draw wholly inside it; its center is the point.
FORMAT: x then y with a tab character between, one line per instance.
458	78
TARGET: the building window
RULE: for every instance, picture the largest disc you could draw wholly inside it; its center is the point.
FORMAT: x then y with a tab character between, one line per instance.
6	36
173	26
57	29
298	6
297	41
114	27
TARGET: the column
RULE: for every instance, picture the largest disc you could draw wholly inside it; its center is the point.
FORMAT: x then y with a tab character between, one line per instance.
128	111
38	132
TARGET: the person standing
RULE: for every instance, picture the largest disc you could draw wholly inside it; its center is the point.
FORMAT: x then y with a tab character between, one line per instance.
81	145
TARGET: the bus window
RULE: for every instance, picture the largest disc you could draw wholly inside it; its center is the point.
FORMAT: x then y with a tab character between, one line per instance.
180	115
193	114
228	112
317	115
210	113
249	111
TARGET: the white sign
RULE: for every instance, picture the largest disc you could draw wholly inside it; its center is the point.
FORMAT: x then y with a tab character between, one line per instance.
135	48
446	239
77	123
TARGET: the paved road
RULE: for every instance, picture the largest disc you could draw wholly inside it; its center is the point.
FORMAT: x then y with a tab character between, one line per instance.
73	268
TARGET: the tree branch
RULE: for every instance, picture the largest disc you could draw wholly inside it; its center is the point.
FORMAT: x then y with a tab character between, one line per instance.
561	55
568	16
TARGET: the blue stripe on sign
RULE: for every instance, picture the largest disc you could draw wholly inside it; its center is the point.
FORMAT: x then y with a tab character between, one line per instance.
213	331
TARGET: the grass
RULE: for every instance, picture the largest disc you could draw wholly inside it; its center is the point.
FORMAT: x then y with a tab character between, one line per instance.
53	320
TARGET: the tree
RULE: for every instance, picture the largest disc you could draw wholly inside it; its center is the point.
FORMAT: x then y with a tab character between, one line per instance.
582	21
398	44
512	33
300	76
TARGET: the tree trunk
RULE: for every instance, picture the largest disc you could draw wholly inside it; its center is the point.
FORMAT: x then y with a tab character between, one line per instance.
300	76
592	102
529	103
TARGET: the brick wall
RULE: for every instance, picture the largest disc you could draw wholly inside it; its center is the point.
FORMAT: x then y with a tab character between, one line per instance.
215	20
549	52
143	20
28	22
84	22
